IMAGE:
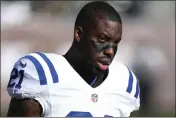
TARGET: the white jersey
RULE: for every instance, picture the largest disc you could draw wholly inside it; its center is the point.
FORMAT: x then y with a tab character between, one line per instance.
61	91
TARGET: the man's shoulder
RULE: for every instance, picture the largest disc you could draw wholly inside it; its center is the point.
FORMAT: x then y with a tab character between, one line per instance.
40	57
124	77
45	55
39	65
45	66
125	81
118	67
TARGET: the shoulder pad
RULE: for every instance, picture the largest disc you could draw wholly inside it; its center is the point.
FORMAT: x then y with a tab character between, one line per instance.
30	73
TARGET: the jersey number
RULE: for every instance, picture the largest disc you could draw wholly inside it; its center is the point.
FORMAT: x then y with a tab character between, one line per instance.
14	75
81	114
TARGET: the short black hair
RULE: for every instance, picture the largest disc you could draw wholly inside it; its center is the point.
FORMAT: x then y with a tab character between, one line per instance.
94	10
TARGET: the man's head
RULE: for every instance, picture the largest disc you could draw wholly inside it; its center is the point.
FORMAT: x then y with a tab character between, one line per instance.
98	30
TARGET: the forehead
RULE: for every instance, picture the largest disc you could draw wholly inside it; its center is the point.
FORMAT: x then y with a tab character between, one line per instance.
111	28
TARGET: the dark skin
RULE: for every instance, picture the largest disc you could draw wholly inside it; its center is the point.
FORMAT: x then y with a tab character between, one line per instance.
91	44
97	43
24	108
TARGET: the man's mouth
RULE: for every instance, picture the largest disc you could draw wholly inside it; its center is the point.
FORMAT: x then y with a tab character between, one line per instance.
102	65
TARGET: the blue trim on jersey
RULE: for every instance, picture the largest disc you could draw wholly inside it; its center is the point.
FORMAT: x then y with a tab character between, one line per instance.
39	69
130	82
93	81
107	116
51	67
137	89
79	114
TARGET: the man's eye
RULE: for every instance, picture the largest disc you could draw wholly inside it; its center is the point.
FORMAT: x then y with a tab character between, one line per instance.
102	39
117	42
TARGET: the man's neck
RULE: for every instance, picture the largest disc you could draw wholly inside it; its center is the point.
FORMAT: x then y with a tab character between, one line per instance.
79	64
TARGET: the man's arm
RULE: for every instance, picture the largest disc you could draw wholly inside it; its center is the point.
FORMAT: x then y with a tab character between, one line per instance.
24	108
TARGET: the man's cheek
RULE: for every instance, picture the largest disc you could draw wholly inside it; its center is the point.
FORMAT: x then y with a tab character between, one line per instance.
115	49
98	47
102	47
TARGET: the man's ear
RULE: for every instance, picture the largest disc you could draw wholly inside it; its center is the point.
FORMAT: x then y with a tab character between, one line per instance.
78	33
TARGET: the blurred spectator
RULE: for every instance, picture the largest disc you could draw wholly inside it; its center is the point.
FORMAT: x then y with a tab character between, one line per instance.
148	62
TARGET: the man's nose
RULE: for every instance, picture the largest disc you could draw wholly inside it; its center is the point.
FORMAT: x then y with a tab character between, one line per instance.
109	52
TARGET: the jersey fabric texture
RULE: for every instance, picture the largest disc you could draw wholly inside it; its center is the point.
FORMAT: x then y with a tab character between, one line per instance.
62	92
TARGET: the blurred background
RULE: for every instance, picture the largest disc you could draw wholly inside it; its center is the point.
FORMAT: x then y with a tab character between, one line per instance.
147	46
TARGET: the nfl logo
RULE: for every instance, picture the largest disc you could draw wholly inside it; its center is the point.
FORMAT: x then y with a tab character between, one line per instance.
94	97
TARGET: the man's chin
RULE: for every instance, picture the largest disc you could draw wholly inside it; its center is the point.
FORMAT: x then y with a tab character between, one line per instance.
98	71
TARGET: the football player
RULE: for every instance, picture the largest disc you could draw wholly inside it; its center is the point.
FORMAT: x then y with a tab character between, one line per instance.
83	82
